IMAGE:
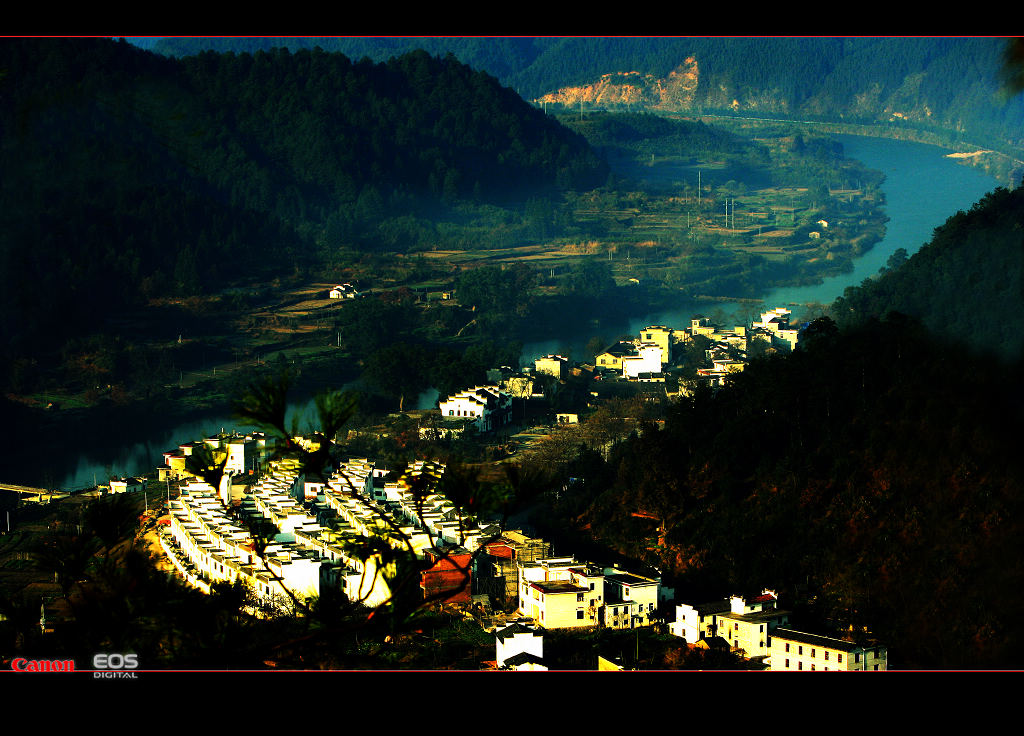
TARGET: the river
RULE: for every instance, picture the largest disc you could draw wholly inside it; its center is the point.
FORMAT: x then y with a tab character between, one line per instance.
922	188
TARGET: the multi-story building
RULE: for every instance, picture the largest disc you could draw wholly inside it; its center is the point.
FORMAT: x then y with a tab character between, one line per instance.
649	358
630	600
776	322
449	576
496	568
611	357
559	592
661	336
797	650
519	647
488	406
698	620
552	365
746	624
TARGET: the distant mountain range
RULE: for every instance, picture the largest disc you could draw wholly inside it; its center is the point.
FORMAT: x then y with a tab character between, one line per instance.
952	85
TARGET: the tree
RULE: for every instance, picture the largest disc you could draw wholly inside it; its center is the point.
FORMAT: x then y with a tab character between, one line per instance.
897	259
1013	65
397	371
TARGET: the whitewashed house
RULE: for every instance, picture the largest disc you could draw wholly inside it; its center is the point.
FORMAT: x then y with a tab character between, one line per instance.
488	406
793	650
520	647
650	358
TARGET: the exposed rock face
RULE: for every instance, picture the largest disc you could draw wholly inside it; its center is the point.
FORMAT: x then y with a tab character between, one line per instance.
674	92
678	92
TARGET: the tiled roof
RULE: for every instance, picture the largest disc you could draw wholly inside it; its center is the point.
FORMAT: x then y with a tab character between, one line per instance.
512	629
826	642
523	658
756	616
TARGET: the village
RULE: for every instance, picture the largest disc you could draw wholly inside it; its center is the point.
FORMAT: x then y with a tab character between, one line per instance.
513	584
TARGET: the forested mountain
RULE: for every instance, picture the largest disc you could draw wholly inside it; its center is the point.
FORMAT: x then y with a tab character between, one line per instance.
949	84
868	477
966	285
129	175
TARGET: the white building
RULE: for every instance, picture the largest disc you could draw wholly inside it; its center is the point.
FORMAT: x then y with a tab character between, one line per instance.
127	485
793	650
630	600
560	592
520	647
343	291
696	621
776	322
552	365
745	623
650	358
488	406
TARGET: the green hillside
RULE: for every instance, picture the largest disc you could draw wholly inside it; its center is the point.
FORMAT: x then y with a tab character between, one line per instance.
903	83
128	175
966	285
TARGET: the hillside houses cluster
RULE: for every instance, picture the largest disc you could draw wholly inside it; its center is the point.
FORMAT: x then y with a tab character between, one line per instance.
760	630
343	291
642	366
210	539
561	592
210	536
309	527
646	357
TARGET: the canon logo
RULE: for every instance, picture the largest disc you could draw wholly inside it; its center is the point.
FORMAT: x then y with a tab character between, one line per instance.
20	664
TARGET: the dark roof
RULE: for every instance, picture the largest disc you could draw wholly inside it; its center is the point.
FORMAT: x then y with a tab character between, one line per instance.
771	613
626	579
826	642
713	642
523	658
512	629
703	609
558	586
620	348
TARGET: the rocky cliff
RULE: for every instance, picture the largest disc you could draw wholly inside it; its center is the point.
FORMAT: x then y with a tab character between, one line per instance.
675	92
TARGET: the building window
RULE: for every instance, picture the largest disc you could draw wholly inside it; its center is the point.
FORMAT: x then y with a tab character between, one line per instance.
787	646
826	656
799	650
812	654
579	597
839	658
799	665
787	664
579	615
